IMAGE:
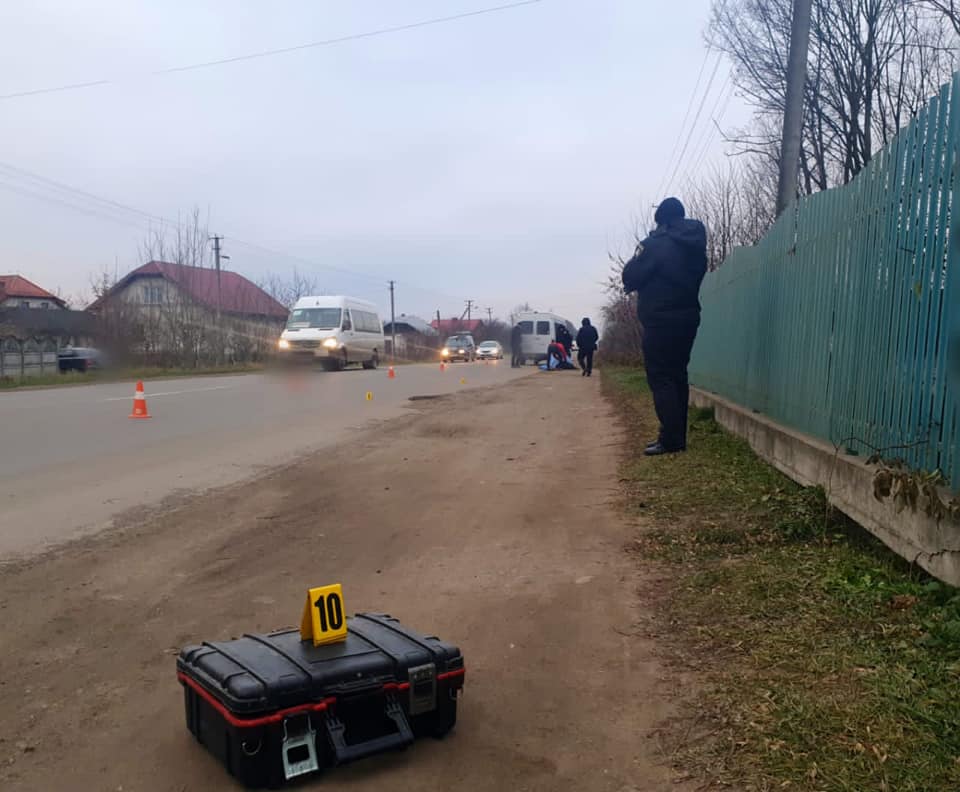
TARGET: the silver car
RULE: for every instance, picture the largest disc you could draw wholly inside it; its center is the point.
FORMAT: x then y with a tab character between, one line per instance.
490	350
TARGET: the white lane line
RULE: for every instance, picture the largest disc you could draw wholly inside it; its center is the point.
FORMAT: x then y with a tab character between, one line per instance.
151	395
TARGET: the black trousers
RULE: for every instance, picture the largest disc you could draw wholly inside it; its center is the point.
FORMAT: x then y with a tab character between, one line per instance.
666	355
515	359
585	359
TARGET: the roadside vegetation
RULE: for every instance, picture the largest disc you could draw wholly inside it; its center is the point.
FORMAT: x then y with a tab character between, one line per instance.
118	375
821	660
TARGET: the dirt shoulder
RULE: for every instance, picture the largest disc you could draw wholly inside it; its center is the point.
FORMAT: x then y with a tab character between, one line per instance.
490	518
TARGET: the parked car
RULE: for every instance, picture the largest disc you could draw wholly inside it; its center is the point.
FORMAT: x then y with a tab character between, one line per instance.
80	359
490	350
459	347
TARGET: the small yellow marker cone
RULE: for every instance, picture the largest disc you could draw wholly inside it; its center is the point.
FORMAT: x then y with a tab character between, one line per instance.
463	380
369	395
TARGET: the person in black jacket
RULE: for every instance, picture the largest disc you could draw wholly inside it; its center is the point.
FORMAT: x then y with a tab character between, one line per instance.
516	341
587	338
564	337
666	272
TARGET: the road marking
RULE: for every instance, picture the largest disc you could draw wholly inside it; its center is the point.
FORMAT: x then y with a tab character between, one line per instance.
171	393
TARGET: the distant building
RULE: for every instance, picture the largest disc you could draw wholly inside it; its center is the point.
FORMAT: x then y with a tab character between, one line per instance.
449	327
17	292
416	339
185	314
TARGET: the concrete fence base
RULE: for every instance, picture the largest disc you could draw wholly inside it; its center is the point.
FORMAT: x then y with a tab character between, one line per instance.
848	483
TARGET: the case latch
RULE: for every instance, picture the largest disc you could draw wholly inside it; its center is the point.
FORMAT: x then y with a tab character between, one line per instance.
423	688
299	748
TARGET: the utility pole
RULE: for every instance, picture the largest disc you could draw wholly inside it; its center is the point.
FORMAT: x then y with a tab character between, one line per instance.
217	256
469	307
490	315
793	104
393	326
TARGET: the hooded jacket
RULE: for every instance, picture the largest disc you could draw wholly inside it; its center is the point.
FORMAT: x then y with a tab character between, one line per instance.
666	272
587	338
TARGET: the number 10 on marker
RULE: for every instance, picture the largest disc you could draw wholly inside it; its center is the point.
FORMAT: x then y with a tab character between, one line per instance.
324	620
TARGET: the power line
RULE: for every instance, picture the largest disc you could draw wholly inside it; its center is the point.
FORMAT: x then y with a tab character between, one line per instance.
683	124
108	209
696	120
285	50
702	147
664	184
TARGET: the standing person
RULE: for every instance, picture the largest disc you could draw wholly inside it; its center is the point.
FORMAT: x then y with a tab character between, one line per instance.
666	272
516	341
587	338
564	337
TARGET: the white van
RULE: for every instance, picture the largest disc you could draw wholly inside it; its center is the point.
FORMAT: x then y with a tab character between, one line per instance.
538	330
335	330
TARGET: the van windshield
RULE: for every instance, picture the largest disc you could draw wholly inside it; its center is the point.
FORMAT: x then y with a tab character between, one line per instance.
458	341
320	318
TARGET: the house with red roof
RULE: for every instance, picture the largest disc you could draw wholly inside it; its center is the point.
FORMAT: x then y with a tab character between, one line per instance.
190	313
18	292
449	327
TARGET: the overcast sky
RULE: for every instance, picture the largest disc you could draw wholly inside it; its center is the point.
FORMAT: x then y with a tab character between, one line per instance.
495	158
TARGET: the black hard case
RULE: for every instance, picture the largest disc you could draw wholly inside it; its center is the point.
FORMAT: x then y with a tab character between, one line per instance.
273	707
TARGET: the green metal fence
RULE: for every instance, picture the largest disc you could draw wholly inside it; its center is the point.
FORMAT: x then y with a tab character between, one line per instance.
838	322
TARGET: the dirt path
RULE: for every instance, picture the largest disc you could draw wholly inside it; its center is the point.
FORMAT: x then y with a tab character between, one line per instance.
450	519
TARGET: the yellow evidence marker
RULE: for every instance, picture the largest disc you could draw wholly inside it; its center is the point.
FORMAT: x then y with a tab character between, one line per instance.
324	620
369	395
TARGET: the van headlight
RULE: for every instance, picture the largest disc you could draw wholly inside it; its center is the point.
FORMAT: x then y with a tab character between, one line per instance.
445	351
283	344
330	343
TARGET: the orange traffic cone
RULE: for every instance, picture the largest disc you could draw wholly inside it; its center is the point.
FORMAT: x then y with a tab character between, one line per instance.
139	403
391	374
443	366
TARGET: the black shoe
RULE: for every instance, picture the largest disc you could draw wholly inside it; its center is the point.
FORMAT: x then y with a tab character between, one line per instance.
657	449
583	373
589	373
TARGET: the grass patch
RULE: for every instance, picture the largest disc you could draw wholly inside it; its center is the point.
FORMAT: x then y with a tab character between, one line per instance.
117	375
827	662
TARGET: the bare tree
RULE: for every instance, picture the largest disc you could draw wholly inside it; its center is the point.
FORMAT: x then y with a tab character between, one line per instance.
871	64
622	334
120	324
290	289
177	327
948	8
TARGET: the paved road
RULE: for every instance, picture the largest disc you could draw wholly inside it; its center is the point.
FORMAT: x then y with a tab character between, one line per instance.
71	460
524	569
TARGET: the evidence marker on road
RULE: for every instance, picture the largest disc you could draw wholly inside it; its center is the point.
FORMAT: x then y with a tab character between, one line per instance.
280	706
323	620
369	395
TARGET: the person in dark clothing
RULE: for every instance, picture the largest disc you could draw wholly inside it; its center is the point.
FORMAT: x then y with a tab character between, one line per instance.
564	337
516	342
666	272
587	338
